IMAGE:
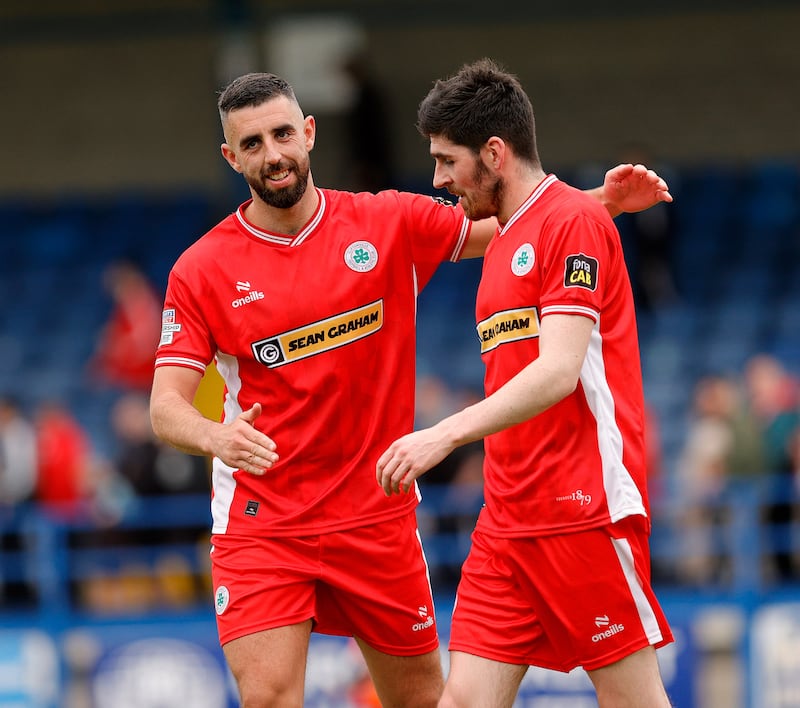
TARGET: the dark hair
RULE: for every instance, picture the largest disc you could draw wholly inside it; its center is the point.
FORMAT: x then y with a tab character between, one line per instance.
252	90
480	101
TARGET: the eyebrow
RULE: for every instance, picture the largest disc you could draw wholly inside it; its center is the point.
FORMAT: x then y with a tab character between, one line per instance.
284	128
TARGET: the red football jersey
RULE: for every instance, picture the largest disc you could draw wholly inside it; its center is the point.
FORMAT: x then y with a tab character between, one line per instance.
581	463
320	329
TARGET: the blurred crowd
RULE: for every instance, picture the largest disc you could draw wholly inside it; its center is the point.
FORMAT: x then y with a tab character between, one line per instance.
742	437
49	461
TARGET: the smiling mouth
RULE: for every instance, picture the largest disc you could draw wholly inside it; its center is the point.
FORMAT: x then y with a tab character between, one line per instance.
278	176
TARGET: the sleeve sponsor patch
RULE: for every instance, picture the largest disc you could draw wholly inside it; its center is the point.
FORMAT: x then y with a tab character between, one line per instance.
580	271
168	327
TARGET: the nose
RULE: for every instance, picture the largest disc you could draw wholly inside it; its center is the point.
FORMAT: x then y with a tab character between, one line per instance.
272	156
440	178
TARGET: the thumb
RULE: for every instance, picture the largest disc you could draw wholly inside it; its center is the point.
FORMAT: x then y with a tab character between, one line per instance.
250	416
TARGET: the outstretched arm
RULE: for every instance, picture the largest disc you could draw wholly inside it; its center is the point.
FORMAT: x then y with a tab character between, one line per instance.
626	188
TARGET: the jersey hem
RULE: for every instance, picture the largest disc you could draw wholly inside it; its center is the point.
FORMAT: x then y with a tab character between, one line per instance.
556	530
306	530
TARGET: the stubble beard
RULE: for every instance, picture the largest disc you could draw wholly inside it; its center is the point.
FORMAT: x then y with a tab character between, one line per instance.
486	198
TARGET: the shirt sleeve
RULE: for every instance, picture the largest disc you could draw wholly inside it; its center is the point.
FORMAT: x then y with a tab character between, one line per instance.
439	231
576	259
185	337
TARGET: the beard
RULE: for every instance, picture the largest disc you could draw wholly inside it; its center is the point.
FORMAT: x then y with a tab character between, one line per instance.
285	197
484	201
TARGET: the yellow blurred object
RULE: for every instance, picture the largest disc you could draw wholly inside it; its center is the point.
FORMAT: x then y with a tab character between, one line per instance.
208	399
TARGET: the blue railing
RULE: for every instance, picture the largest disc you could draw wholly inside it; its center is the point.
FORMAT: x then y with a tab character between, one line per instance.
47	554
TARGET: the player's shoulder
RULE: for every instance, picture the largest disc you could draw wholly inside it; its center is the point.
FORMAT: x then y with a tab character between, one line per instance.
386	197
566	200
208	246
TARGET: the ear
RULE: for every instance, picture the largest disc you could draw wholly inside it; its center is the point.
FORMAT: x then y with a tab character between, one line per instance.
493	153
310	131
230	157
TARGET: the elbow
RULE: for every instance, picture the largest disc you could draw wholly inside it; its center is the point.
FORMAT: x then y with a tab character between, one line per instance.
156	422
564	384
569	389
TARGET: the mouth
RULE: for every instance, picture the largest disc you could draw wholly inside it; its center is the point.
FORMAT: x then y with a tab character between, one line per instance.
278	176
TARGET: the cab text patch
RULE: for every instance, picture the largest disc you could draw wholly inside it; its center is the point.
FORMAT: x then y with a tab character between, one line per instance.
580	271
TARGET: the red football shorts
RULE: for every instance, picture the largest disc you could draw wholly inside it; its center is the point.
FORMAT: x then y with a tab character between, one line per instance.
370	582
580	599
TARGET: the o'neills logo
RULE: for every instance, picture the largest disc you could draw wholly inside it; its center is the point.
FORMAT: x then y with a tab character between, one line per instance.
419	626
321	336
615	628
508	326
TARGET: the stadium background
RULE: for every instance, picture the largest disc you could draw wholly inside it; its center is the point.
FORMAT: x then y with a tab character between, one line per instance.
109	138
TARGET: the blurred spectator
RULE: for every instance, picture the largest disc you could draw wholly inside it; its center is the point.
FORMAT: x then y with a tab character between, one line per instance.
126	346
648	239
794	495
368	134
773	396
773	400
63	476
652	440
151	467
146	468
455	485
702	475
794	455
17	454
433	400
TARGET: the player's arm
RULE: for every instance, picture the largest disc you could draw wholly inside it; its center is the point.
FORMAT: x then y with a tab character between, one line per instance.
563	342
626	188
177	422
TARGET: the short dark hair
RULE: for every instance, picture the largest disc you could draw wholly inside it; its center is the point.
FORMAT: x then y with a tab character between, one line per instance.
480	101
252	90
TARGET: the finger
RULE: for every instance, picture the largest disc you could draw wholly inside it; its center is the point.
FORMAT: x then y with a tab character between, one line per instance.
408	481
389	476
383	470
250	465
251	415
379	469
264	456
398	477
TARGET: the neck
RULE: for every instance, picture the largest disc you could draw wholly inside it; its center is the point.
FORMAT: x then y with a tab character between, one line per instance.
283	221
518	189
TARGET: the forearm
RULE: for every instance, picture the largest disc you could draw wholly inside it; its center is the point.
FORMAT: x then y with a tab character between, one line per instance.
180	424
599	193
549	378
535	389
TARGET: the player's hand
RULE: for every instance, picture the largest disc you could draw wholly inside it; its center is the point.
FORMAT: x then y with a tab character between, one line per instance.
629	188
408	458
240	445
